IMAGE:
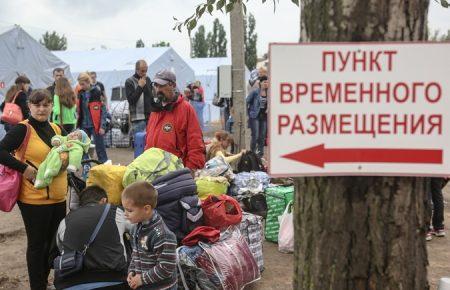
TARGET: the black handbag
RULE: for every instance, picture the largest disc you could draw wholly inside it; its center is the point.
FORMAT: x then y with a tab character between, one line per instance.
71	262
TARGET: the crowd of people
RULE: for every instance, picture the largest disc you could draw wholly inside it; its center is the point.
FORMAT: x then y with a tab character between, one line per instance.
172	121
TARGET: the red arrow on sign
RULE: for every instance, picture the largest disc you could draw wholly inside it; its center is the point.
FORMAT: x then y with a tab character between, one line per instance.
318	155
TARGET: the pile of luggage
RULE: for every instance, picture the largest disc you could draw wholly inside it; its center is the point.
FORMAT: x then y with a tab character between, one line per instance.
218	216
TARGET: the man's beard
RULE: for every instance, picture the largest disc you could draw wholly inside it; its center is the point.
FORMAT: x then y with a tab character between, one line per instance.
164	98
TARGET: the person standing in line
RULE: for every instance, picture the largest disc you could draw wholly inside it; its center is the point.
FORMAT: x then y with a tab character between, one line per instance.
99	86
138	89
173	126
92	114
57	73
42	209
436	224
257	108
64	105
19	94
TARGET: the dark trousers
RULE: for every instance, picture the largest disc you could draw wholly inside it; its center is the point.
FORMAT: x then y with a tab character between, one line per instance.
41	224
437	208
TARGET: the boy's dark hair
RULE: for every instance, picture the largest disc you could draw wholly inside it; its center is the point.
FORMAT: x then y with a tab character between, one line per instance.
92	194
40	95
22	80
142	193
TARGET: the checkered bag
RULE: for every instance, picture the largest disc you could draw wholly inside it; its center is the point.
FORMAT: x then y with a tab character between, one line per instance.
251	228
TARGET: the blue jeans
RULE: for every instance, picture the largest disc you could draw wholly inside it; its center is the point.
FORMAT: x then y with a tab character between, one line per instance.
258	126
198	107
100	148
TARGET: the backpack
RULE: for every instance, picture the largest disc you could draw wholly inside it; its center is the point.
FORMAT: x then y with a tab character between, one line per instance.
151	164
250	162
178	204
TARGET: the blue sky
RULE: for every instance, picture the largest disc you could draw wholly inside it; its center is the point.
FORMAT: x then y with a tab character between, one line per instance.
91	24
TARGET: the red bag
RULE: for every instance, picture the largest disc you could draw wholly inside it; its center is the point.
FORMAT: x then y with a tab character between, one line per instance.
11	180
12	113
221	211
201	234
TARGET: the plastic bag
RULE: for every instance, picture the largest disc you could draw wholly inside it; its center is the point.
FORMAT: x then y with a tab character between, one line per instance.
286	232
228	264
221	211
211	186
108	177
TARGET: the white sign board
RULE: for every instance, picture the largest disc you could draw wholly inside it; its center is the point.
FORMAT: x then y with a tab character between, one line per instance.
359	109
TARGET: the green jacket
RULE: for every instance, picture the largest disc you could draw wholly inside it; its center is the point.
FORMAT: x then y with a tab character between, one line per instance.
69	115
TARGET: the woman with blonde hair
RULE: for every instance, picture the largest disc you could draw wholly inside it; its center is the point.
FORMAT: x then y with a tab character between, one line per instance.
64	105
218	147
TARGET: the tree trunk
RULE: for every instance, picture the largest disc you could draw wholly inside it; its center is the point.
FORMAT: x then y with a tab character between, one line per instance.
361	232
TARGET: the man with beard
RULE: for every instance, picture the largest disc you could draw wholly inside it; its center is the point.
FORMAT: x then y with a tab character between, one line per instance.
174	126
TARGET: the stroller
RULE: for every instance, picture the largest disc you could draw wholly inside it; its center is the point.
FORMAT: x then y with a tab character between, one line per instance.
77	183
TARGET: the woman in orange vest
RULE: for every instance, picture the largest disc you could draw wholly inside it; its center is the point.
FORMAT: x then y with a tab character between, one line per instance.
41	209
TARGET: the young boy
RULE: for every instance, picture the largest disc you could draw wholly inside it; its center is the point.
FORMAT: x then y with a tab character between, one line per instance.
153	261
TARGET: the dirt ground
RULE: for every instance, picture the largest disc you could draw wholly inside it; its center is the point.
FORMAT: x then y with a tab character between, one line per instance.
278	266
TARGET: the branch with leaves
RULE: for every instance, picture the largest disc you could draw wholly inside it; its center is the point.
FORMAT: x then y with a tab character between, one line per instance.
191	22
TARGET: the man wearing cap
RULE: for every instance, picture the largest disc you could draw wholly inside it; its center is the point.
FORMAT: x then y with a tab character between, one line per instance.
139	95
174	126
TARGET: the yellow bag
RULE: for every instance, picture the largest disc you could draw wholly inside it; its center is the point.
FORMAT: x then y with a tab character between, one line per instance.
108	177
211	186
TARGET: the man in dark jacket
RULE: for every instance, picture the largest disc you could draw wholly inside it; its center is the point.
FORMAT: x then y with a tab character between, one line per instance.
138	89
106	261
57	74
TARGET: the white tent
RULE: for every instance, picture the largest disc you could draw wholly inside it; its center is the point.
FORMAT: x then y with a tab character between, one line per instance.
21	54
206	72
114	66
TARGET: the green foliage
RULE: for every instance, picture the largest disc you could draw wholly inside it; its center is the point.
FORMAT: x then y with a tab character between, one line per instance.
192	20
199	44
251	38
161	44
444	3
437	36
140	43
217	40
52	41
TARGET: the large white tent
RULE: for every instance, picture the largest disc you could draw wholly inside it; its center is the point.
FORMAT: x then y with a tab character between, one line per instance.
206	72
21	54
114	66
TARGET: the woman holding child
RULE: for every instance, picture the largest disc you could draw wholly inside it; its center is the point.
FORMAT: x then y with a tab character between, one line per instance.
41	209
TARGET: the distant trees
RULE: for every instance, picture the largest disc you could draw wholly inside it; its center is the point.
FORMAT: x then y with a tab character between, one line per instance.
214	44
217	40
437	36
161	44
53	41
251	38
140	43
199	45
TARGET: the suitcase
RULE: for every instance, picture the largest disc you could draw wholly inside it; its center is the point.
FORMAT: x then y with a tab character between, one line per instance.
251	228
139	143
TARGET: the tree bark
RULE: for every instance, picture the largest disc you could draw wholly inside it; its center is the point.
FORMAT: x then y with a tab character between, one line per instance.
361	232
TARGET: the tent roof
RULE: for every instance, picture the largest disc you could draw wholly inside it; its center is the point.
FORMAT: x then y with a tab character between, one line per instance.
111	59
21	54
207	65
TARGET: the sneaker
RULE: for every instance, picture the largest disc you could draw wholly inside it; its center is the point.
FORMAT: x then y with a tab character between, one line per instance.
429	235
439	233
